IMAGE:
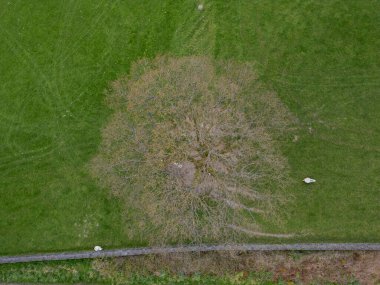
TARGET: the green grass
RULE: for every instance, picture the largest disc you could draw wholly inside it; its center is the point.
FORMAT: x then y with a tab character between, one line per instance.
57	57
323	60
56	60
82	271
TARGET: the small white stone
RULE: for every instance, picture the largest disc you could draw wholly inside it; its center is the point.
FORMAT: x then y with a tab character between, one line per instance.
200	7
309	180
98	248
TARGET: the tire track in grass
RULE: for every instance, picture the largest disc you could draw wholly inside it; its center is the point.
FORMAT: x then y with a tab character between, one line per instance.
67	19
8	163
14	2
91	30
21	155
63	56
18	153
25	57
197	37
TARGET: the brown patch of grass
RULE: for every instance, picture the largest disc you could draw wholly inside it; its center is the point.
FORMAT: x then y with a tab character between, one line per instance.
191	150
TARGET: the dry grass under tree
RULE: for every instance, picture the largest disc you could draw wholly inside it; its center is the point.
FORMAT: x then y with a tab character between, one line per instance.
191	150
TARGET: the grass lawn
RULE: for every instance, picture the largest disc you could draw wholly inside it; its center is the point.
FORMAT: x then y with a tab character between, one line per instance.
323	60
57	58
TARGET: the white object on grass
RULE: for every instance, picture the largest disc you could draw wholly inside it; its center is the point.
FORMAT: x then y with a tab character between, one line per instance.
98	248
309	180
179	165
200	7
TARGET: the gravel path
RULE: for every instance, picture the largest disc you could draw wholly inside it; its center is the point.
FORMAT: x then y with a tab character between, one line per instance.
192	248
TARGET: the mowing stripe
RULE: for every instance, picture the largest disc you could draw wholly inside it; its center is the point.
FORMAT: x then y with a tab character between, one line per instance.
190	248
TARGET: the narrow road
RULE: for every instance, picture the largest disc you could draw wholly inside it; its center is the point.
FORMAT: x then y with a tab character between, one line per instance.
190	248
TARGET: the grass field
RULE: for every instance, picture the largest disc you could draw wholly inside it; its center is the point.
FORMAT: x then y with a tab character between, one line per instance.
58	57
206	269
82	271
73	272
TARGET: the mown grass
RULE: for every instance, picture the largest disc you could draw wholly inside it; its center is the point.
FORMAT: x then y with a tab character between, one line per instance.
57	57
323	60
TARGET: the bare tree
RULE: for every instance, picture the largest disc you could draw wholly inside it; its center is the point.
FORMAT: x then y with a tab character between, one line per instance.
191	149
